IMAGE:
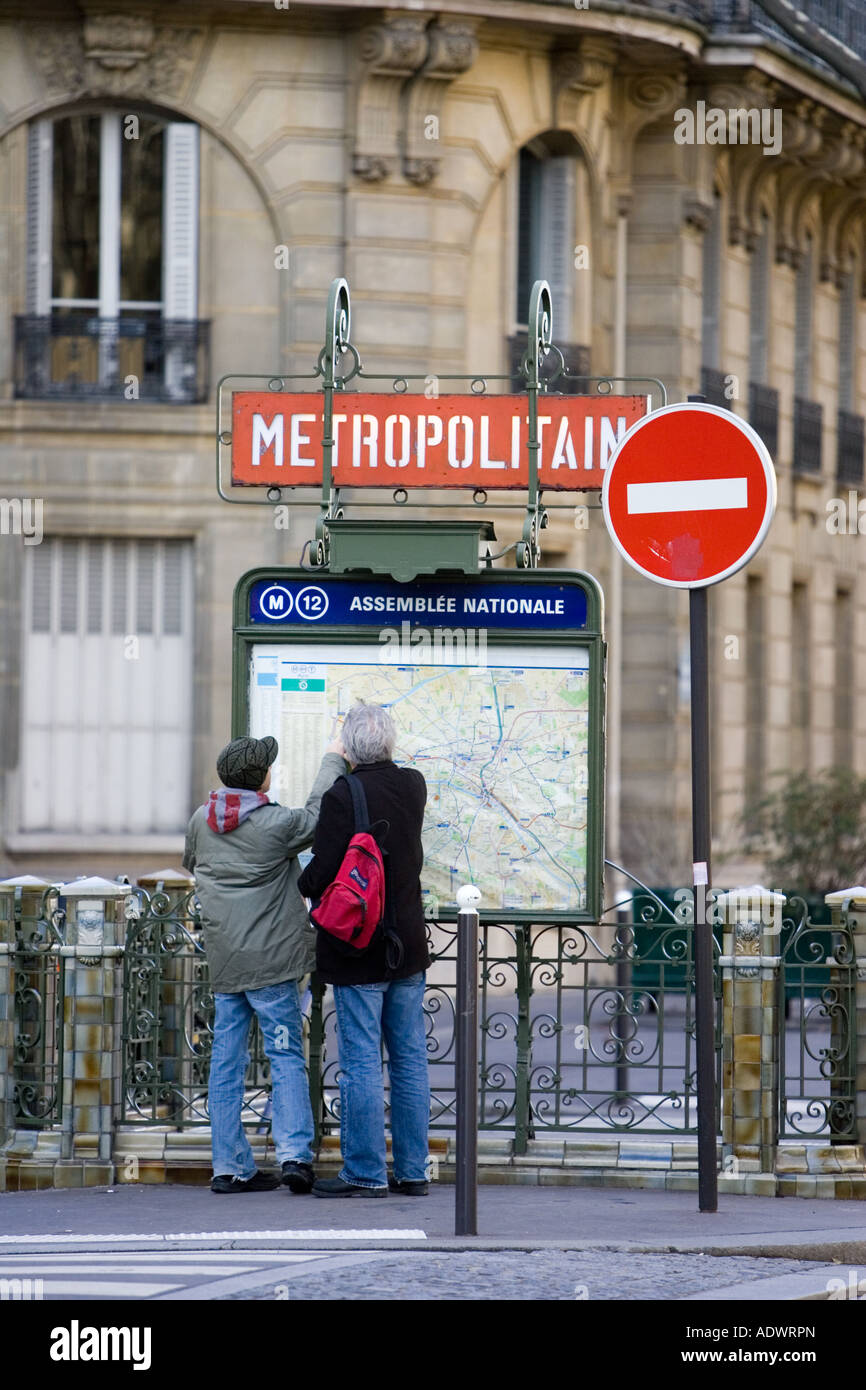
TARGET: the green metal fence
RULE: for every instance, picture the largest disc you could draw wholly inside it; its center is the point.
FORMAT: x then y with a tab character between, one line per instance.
38	978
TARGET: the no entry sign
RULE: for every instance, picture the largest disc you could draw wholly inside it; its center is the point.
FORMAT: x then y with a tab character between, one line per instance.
689	495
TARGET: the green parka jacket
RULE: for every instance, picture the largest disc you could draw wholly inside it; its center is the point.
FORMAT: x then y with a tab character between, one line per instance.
256	927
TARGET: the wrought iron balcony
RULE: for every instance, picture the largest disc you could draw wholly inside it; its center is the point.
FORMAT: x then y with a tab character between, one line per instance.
808	422
577	366
713	384
79	356
849	454
764	414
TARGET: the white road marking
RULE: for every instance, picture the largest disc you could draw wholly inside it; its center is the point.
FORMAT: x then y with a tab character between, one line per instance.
94	1288
689	495
98	1258
162	1238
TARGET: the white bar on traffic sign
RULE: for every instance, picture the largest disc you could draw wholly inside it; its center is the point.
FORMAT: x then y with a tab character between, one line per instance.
690	495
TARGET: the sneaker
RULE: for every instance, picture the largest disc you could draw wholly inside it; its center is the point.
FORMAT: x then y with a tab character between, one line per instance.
409	1189
259	1182
336	1187
298	1177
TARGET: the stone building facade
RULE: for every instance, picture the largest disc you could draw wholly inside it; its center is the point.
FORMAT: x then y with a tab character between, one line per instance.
228	161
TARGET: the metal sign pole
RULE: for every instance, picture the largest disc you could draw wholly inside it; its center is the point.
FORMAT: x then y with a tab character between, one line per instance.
466	1072
708	1188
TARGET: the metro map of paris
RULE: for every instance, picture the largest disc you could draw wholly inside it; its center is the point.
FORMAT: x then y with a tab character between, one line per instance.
503	748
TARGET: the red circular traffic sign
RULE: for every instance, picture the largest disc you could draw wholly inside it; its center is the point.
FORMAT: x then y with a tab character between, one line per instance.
689	495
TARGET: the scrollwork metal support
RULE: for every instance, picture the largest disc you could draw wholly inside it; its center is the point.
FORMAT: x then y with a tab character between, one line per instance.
540	340
338	323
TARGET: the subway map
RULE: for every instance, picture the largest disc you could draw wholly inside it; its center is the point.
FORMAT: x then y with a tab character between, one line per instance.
503	748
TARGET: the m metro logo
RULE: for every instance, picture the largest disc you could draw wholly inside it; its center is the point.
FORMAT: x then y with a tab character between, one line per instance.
689	495
474	441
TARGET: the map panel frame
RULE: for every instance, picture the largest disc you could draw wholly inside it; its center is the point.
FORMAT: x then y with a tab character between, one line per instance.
580	630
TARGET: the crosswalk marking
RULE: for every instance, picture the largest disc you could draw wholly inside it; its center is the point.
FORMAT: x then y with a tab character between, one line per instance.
142	1273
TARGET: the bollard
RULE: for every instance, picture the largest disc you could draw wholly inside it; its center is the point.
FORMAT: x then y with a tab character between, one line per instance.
466	1071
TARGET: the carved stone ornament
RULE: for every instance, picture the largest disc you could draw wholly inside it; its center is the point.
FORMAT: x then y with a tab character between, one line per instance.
388	54
452	49
404	66
113	54
696	212
584	68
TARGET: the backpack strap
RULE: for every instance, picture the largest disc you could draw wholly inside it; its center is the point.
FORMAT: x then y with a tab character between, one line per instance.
359	802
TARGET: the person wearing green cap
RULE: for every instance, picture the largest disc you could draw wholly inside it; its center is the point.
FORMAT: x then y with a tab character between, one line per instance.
243	851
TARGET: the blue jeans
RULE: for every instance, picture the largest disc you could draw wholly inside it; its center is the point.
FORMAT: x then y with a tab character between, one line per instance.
366	1014
279	1013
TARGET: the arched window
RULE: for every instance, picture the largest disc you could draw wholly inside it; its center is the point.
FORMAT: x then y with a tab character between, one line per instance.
112	221
553	245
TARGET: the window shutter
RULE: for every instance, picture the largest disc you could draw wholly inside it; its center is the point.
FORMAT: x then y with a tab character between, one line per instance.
803	331
711	285
847	312
556	222
759	291
40	162
180	222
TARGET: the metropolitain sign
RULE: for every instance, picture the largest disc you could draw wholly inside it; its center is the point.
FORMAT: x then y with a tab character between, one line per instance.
413	442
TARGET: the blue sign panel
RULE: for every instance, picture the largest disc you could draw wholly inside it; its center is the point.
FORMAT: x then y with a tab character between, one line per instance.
370	603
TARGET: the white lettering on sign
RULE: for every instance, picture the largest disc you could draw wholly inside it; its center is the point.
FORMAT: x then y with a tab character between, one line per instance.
406	442
267	437
465	423
297	439
391	422
690	495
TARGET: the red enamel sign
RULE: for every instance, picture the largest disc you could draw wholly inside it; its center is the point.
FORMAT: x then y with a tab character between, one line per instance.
392	441
689	495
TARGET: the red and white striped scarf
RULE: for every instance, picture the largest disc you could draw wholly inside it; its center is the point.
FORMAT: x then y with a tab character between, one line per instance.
230	806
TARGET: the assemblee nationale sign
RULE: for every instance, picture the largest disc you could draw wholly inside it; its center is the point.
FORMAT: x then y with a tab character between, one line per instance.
412	441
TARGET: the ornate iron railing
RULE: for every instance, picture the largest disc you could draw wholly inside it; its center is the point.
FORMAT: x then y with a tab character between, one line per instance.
818	1043
849	454
714	385
38	993
569	1041
808	424
168	1011
75	356
764	414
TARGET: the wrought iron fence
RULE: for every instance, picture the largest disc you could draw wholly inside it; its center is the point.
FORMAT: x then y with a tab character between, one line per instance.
575	1027
38	979
818	1044
764	414
808	424
850	448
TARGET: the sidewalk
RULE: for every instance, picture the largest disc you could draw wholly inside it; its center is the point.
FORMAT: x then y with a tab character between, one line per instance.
509	1217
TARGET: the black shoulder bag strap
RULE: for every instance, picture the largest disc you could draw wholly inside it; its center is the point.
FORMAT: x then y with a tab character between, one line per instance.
393	944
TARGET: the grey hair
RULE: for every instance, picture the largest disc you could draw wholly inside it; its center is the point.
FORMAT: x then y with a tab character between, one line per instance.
369	734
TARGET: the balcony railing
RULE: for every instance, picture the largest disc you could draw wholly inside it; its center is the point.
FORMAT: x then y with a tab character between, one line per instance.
808	422
577	365
849	454
713	385
764	414
70	357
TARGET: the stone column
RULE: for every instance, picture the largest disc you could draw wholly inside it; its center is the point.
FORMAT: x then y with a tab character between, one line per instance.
851	903
752	922
92	1054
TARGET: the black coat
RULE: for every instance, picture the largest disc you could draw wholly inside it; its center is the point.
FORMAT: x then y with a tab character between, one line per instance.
397	796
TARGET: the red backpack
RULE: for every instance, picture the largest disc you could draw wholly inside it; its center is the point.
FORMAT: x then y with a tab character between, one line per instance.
353	906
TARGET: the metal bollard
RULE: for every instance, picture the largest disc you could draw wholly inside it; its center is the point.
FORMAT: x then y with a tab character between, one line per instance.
466	1076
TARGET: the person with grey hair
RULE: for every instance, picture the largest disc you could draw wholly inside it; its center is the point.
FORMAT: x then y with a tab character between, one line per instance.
378	992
